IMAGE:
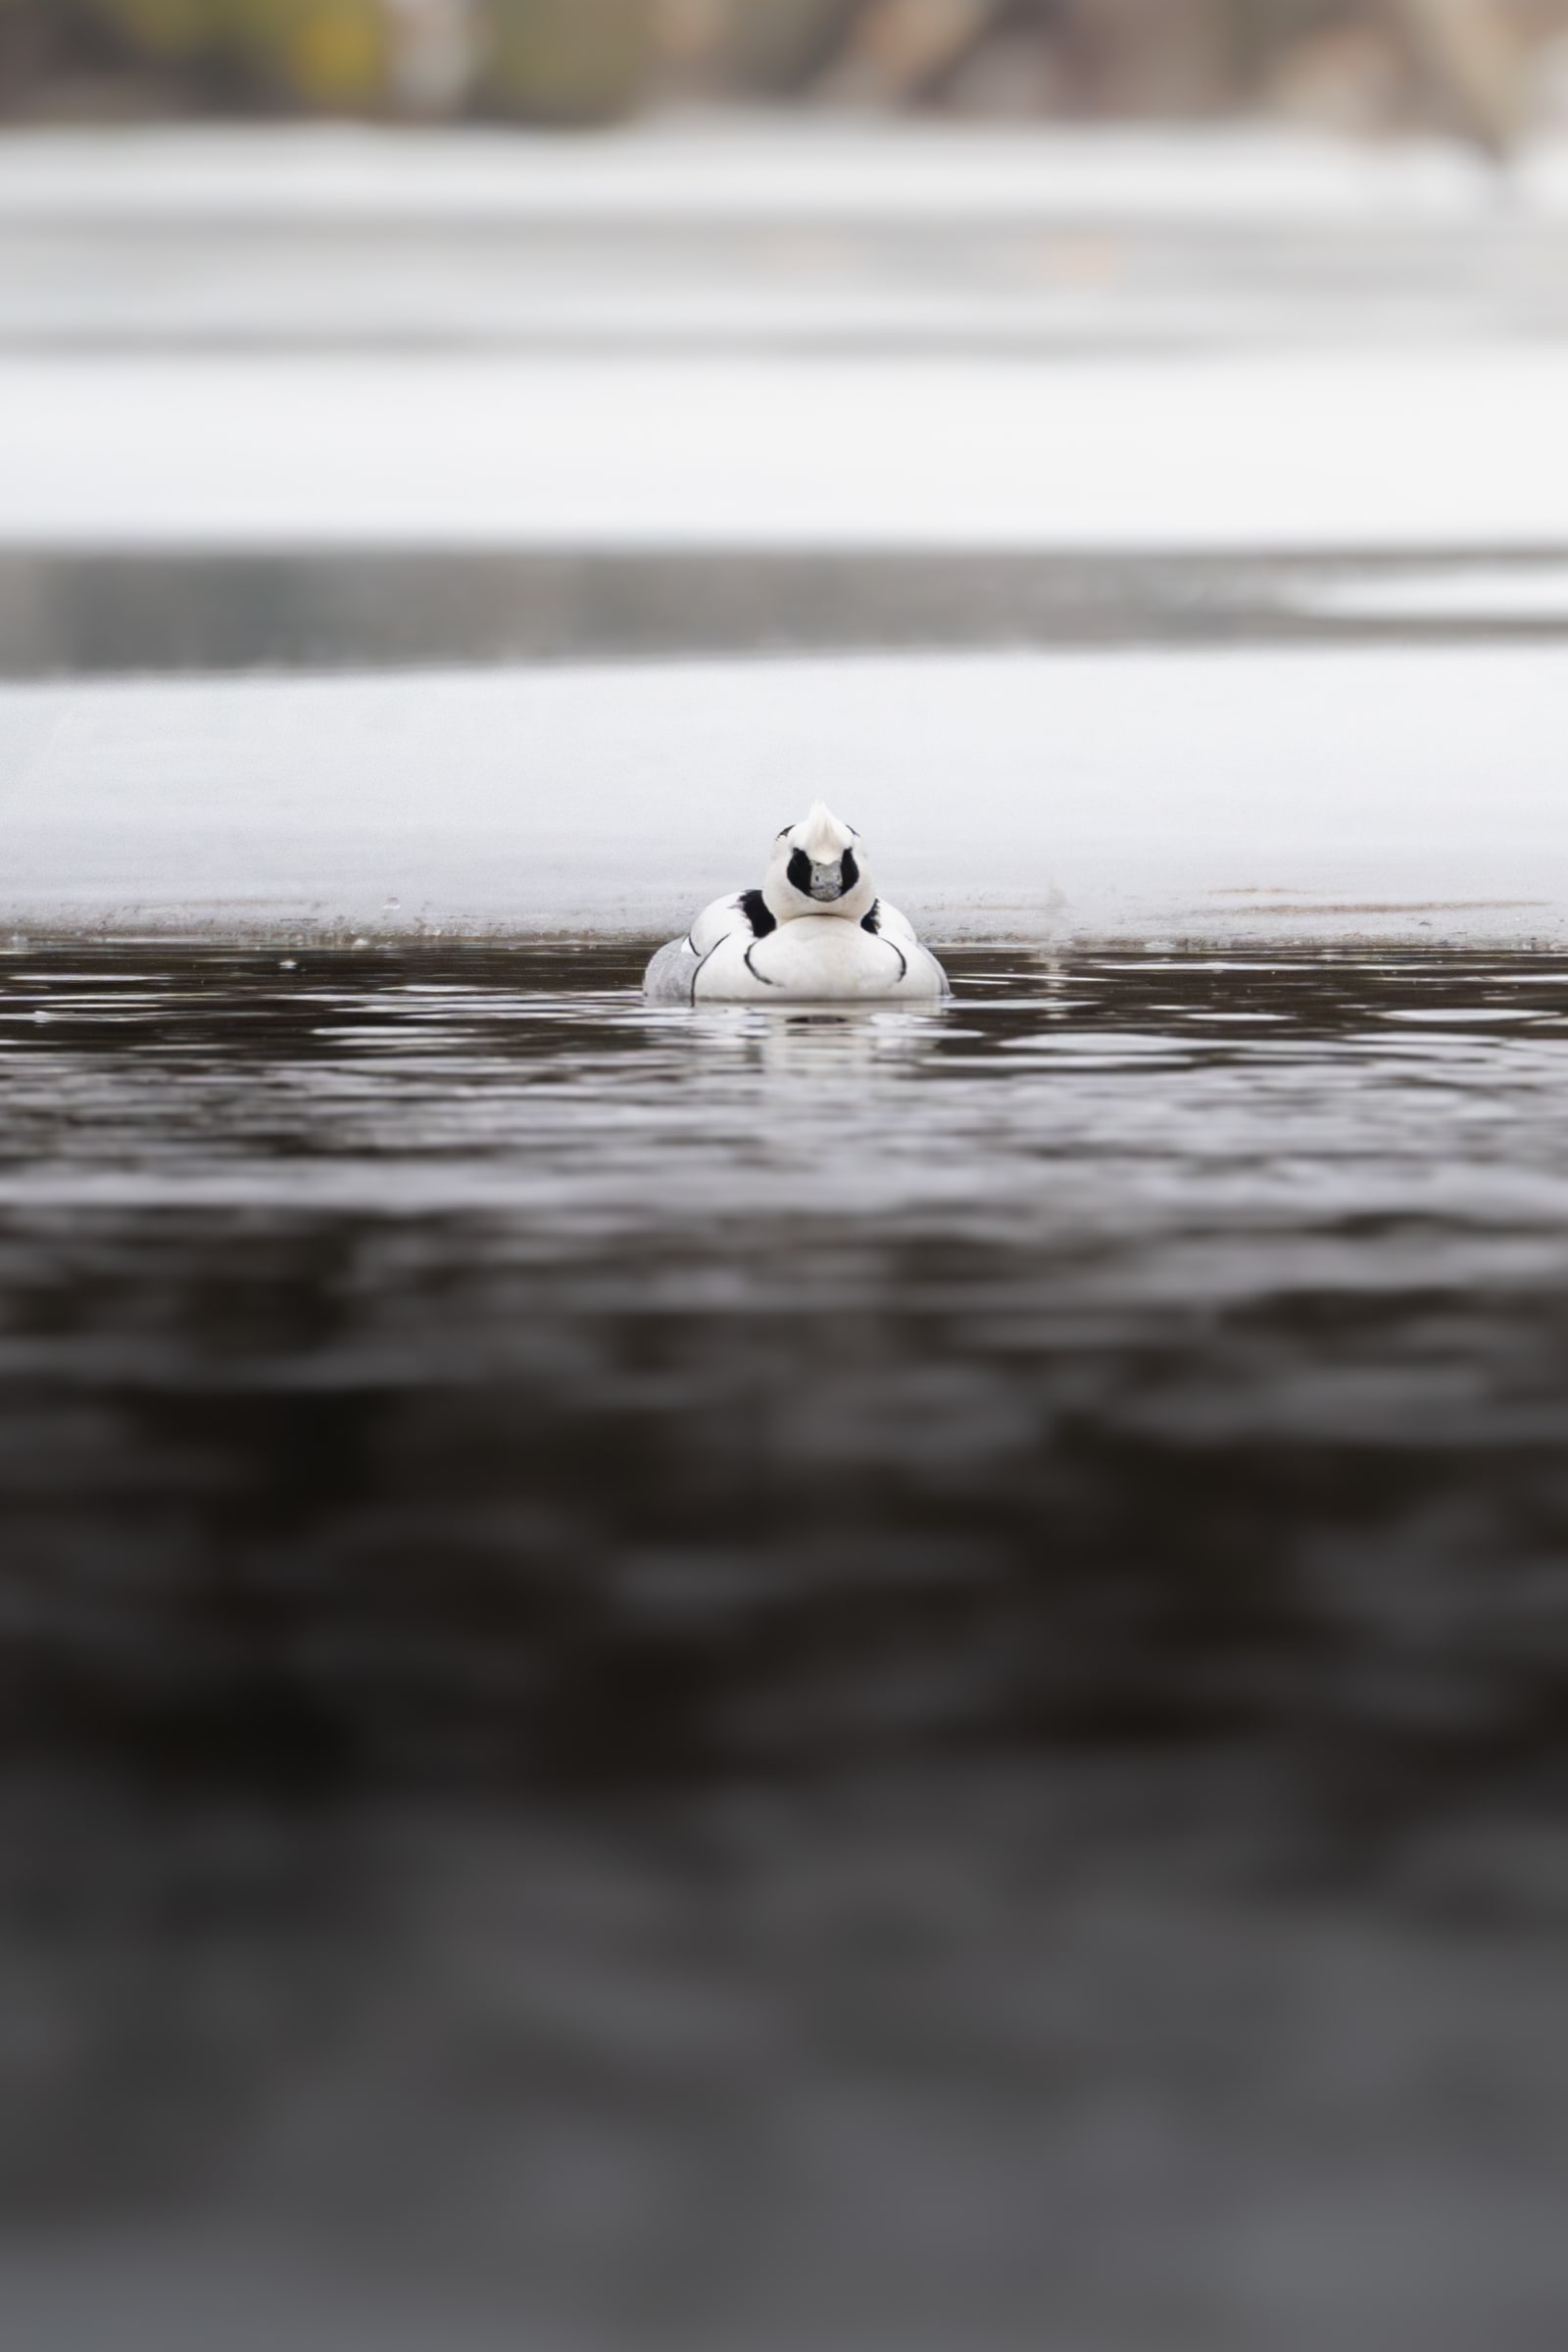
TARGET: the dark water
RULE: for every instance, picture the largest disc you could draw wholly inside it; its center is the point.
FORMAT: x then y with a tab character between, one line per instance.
805	1679
96	612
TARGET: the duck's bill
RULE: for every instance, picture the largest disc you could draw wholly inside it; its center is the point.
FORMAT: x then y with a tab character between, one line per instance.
827	882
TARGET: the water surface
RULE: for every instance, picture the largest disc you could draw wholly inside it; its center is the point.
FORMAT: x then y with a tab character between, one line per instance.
879	1677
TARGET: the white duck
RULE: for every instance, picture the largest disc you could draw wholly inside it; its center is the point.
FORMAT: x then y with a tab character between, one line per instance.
816	933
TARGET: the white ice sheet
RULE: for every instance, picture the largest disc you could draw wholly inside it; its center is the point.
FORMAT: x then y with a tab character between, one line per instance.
1310	450
1300	795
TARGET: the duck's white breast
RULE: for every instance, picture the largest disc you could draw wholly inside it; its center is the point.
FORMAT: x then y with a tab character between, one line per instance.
819	959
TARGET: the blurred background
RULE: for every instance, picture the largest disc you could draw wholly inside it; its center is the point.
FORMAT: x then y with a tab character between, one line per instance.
1490	65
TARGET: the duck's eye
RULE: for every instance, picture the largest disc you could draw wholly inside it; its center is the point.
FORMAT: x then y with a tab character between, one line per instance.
800	871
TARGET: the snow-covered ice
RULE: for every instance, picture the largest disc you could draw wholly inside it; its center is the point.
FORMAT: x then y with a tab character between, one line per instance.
1458	592
291	342
1323	451
758	166
1038	798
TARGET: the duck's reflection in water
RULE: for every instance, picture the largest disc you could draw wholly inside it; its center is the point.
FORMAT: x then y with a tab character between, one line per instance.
817	1044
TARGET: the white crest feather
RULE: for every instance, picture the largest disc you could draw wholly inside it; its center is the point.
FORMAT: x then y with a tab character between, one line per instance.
821	834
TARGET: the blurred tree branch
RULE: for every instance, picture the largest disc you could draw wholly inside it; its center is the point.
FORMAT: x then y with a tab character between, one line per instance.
1470	51
1465	51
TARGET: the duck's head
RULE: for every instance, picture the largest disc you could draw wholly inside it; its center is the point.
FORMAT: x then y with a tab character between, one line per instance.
818	867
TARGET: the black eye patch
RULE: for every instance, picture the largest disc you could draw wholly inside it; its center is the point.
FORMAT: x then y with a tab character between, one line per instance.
800	872
848	870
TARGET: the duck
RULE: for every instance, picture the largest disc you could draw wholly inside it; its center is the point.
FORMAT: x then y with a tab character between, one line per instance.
816	933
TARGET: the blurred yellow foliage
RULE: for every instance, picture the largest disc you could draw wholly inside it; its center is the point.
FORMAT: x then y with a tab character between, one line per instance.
326	52
551	60
335	52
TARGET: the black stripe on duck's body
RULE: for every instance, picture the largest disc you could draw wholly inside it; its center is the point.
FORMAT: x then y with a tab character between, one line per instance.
814	933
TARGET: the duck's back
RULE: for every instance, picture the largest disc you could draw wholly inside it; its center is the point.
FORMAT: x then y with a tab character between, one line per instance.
819	959
815	960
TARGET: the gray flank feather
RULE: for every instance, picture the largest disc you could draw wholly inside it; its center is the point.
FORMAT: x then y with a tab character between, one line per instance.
671	977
